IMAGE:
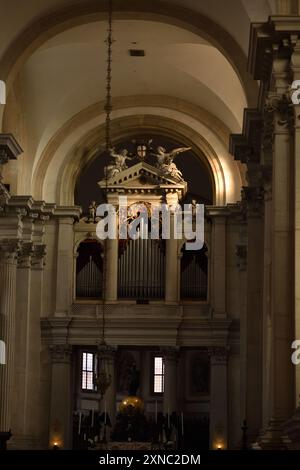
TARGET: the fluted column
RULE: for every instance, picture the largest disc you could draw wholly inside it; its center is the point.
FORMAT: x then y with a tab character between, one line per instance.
282	270
170	392
32	410
61	396
218	397
21	341
8	274
241	252
218	287
253	200
64	291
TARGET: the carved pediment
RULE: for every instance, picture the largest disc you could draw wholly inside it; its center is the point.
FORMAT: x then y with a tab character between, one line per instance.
142	176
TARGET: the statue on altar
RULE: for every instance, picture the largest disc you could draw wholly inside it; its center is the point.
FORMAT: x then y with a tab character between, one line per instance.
165	161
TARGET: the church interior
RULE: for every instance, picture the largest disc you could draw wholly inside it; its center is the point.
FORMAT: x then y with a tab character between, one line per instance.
144	343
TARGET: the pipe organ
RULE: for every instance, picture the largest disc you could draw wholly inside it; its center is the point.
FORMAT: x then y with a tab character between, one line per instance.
193	281
141	269
89	276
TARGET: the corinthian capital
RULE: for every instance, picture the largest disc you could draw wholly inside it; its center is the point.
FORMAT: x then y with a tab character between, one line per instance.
9	249
280	108
25	254
38	255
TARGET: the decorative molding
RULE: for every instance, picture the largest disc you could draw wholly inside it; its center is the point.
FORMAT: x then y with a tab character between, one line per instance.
60	353
9	148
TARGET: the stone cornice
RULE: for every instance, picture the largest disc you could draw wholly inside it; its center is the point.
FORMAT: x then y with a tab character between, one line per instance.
9	148
67	212
165	326
247	145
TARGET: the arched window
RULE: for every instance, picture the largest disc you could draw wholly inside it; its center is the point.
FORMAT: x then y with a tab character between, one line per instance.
89	270
193	274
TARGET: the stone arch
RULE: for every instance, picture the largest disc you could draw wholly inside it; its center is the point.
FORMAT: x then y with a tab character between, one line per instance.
61	162
65	18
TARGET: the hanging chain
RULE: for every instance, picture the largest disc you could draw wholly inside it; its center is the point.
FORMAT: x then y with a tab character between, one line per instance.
108	104
108	109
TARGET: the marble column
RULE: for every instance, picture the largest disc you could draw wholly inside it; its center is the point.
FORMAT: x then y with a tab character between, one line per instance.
295	61
32	403
64	284
170	355
282	274
253	200
21	340
106	356
218	287
111	269
241	252
8	276
218	397
61	396
267	321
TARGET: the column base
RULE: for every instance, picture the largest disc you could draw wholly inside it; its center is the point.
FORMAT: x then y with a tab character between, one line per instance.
274	437
292	430
23	442
4	437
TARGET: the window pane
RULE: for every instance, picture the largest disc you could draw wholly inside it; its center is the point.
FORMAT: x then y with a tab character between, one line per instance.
158	384
89	381
89	362
159	370
158	365
87	378
83	385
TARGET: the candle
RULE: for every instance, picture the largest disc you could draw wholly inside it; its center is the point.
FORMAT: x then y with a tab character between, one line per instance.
182	423
105	412
168	417
92	417
156	411
79	425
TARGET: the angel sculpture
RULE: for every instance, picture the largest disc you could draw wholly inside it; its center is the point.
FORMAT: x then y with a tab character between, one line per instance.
165	161
119	164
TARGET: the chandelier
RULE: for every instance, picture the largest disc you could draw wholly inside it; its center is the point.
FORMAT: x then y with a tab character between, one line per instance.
103	378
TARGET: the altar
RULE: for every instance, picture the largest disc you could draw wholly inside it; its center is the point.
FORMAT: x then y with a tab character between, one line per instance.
133	445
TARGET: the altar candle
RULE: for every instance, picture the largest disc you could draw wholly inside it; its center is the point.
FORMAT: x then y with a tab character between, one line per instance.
182	423
92	417
79	425
105	412
156	411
